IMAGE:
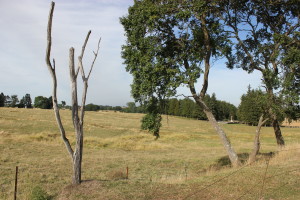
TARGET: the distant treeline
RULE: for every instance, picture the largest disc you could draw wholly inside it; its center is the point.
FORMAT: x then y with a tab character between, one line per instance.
13	101
179	107
188	108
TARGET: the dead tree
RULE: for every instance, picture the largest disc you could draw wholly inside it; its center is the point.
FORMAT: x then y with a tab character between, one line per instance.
77	113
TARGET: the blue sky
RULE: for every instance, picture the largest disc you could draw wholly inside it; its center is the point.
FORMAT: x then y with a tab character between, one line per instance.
23	45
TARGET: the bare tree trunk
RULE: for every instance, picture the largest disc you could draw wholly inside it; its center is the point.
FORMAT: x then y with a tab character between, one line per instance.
77	120
256	144
77	158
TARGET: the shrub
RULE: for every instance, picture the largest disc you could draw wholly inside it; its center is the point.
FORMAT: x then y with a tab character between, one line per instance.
39	193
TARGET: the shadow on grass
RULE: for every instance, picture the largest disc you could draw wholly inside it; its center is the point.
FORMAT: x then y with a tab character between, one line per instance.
224	161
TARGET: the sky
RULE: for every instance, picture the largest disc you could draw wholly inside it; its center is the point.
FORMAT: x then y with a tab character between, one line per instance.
23	39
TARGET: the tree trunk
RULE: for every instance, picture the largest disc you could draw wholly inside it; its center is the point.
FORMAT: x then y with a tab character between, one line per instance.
275	123
77	158
256	145
277	131
225	140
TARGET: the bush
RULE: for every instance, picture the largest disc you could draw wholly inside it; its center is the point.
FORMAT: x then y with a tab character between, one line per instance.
38	193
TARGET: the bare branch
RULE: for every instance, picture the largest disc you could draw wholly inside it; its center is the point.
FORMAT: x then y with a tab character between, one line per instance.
77	71
84	78
183	96
80	65
74	88
85	42
53	75
53	64
96	54
49	39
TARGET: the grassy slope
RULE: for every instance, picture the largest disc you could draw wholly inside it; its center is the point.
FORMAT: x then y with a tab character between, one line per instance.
187	158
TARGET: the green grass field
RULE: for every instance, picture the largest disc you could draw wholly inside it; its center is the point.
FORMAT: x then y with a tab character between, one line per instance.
187	162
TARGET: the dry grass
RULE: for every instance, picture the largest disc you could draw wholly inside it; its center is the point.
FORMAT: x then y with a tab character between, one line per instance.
182	164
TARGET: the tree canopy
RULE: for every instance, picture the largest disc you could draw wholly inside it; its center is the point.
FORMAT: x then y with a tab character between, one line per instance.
170	44
165	45
43	102
265	37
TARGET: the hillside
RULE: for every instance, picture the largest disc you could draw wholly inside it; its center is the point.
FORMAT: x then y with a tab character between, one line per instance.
187	162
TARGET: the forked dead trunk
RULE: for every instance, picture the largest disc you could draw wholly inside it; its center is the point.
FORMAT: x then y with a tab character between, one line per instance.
77	120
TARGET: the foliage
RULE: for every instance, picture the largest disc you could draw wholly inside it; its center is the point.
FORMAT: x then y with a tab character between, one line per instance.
25	102
131	107
15	101
63	104
43	102
152	120
265	37
166	45
38	193
254	104
161	36
188	108
2	99
291	91
92	107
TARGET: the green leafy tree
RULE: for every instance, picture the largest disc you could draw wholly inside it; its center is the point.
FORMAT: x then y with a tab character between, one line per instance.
14	101
198	113
212	103
252	106
291	86
171	43
152	120
118	108
266	39
21	103
63	104
186	107
43	102
173	106
27	101
91	107
2	99
131	107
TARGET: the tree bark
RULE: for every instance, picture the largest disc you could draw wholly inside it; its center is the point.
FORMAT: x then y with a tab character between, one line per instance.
256	144
77	158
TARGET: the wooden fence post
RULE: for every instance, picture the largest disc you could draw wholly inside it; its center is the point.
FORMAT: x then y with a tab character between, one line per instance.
16	183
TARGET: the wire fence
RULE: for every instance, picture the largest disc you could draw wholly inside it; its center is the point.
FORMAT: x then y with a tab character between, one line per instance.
259	188
260	184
